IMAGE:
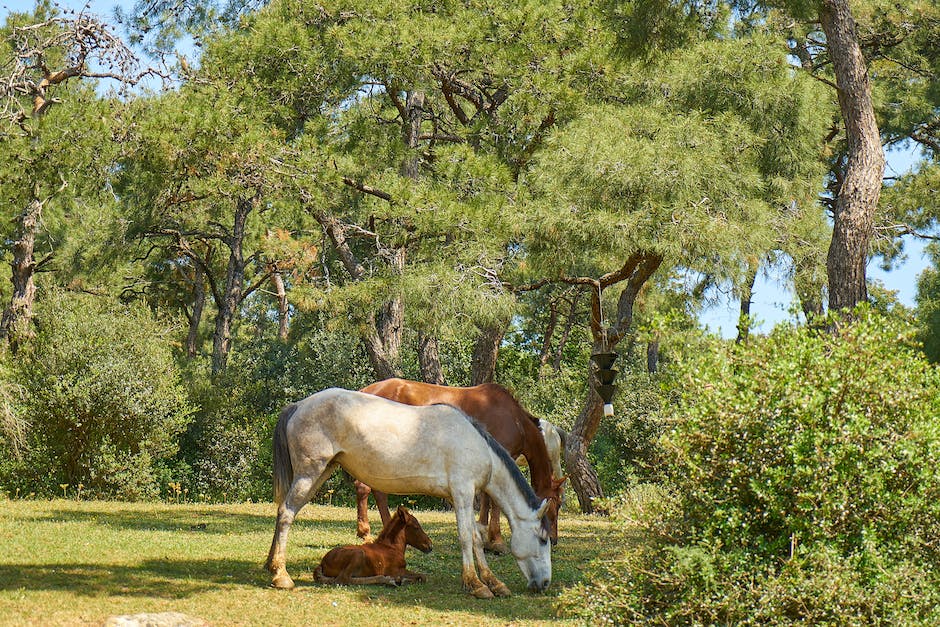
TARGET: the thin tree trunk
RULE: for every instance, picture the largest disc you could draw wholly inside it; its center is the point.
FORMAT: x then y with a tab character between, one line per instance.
199	304
569	325
652	356
549	332
382	335
411	134
16	324
231	296
429	358
857	198
283	310
747	293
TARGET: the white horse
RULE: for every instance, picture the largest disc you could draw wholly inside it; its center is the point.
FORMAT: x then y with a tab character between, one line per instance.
399	449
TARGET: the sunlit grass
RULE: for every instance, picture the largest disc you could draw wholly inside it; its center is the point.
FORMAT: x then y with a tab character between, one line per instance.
67	562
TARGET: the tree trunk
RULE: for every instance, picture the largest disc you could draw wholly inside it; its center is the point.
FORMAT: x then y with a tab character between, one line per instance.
857	198
485	352
652	356
283	310
16	324
636	271
549	332
583	478
411	133
199	304
429	358
569	325
231	296
747	293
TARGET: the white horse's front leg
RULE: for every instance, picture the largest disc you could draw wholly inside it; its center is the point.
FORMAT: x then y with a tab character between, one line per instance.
469	539
497	587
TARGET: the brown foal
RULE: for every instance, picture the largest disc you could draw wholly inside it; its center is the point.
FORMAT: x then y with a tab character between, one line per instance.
378	562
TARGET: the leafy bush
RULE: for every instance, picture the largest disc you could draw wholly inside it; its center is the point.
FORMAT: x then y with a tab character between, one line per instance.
103	399
805	475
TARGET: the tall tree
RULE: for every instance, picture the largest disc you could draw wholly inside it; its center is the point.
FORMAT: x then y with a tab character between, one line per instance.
860	183
44	56
692	175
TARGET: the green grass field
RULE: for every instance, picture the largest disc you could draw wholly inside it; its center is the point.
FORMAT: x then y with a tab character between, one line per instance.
69	562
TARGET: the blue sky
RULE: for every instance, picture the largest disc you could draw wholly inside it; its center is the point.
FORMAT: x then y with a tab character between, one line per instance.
772	300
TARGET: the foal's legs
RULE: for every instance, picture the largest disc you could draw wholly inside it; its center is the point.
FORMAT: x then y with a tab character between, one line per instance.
300	493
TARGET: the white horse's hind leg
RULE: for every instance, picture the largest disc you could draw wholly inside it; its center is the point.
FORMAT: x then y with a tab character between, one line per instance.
300	493
471	543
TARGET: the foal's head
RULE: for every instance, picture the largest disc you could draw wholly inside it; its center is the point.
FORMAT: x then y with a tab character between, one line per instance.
404	521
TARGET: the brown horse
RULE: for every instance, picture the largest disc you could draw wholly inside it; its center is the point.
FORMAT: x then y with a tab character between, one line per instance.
382	561
507	421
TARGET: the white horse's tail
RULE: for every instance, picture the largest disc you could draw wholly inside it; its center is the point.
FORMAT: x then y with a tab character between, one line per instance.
283	469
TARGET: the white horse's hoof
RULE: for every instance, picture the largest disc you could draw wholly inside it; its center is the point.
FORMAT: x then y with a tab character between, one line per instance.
282	581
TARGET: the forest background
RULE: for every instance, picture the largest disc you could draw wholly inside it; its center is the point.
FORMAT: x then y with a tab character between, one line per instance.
330	194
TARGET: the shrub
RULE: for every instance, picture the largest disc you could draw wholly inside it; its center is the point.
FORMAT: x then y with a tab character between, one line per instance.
804	474
103	398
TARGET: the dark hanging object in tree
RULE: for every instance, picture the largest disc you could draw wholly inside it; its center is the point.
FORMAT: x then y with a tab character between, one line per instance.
605	379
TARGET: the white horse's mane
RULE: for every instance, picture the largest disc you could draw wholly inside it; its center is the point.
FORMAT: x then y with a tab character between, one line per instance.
531	498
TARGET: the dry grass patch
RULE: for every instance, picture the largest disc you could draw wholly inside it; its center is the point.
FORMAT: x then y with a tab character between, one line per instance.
77	562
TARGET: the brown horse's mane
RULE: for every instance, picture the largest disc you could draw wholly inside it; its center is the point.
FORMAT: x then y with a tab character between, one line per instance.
512	396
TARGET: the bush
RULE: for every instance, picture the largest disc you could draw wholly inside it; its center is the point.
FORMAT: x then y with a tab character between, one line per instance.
804	472
103	399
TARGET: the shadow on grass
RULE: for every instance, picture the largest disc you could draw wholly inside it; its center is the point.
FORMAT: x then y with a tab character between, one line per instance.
204	520
167	579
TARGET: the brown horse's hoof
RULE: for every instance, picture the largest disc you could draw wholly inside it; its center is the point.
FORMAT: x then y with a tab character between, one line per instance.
496	548
282	581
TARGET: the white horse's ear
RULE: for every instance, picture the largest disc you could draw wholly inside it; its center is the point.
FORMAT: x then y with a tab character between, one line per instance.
542	509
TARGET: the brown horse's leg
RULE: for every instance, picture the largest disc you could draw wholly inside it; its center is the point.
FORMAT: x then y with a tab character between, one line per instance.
362	509
381	503
489	517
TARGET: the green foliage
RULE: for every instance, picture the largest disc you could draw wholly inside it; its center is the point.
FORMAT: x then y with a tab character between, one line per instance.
103	398
704	165
928	306
803	474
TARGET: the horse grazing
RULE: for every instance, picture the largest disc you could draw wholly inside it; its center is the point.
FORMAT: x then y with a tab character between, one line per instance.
436	450
504	418
382	561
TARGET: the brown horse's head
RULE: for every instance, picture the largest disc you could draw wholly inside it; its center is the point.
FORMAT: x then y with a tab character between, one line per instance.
414	534
554	507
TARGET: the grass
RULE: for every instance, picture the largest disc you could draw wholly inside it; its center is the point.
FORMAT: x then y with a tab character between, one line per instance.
65	562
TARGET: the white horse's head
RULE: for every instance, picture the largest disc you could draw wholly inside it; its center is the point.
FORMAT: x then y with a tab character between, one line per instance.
533	552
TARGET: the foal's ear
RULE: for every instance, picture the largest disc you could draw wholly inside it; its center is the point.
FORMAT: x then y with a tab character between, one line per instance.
542	509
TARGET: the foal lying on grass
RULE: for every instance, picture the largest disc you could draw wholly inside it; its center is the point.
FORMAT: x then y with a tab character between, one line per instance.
378	562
